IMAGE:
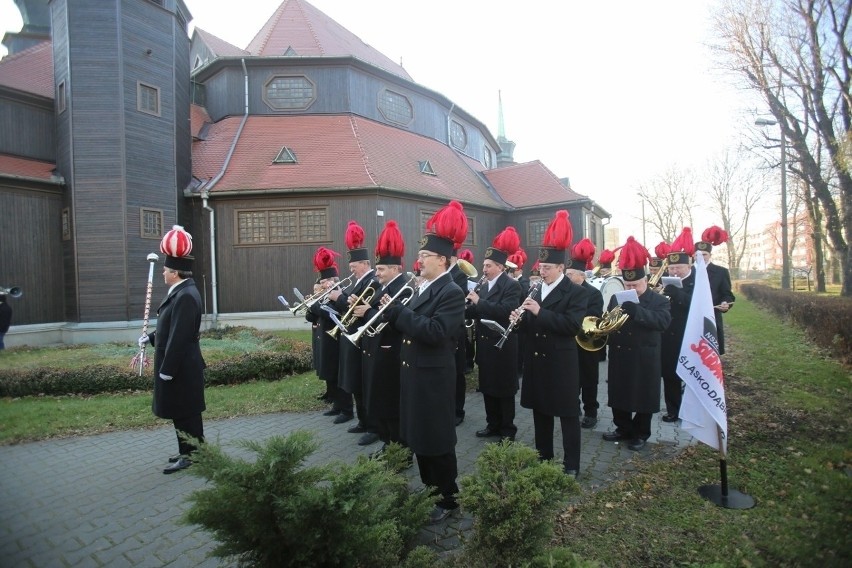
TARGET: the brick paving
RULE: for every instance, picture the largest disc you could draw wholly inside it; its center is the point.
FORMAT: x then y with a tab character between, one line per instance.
102	500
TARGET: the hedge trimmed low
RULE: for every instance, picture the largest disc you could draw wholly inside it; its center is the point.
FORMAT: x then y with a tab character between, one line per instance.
827	319
281	358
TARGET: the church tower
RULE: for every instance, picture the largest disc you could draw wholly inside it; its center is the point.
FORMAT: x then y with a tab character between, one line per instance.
506	157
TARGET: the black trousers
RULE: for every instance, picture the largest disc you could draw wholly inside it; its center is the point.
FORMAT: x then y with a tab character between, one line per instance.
543	424
188	426
589	376
388	430
341	400
634	426
500	414
440	473
672	392
461	383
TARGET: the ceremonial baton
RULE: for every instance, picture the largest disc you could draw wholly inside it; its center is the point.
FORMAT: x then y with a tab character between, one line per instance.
140	360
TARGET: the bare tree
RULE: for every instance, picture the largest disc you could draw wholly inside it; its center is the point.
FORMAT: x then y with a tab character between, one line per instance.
668	198
796	55
734	195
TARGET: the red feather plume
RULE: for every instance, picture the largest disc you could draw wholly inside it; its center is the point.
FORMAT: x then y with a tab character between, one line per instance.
684	242
662	250
390	241
415	268
466	254
584	251
519	257
450	223
559	233
715	235
607	256
633	255
354	238
324	259
508	241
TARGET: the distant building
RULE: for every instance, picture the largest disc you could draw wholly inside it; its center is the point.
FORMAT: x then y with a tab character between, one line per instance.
763	251
117	125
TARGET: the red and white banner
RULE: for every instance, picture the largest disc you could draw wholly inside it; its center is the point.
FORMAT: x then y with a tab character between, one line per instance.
703	412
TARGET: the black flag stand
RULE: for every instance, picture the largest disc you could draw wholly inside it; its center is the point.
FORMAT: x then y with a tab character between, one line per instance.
720	494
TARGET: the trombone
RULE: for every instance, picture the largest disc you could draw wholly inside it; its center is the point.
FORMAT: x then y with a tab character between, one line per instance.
349	318
320	296
596	331
368	328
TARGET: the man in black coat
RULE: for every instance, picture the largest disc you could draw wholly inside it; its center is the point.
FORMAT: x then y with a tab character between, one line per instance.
680	298
720	289
550	322
589	361
430	325
461	280
634	361
178	364
498	296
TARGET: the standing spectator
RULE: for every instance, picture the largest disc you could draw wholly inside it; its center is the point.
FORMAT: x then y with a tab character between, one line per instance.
551	320
634	356
430	324
178	364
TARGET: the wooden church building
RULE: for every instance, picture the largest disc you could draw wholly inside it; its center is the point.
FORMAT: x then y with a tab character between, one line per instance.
118	125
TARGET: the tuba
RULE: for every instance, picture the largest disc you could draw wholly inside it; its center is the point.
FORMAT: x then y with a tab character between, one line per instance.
596	330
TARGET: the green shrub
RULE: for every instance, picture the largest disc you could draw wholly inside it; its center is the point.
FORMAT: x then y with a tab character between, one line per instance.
276	512
560	558
826	319
271	359
514	499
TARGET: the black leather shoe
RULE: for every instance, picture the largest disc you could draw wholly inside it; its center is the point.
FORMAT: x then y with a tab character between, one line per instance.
357	429
174	458
324	396
614	436
341	418
589	422
379	453
572	473
332	412
636	445
438	514
669	418
368	438
486	433
459	420
182	462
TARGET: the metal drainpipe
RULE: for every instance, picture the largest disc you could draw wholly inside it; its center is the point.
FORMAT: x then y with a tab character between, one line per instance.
449	123
214	282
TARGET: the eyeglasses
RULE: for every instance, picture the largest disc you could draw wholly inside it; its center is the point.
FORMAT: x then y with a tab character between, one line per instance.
423	255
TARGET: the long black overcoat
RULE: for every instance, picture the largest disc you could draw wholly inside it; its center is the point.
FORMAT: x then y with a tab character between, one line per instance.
430	325
380	363
720	289
349	376
551	382
498	368
329	348
680	299
594	307
634	356
178	354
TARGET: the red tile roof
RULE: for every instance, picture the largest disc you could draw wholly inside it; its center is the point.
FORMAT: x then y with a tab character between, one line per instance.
30	70
337	152
298	25
198	117
13	166
218	46
529	184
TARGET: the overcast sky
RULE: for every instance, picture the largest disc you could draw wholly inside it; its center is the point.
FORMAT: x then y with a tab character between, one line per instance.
606	97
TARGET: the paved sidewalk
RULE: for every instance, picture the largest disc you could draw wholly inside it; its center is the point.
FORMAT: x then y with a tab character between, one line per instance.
103	500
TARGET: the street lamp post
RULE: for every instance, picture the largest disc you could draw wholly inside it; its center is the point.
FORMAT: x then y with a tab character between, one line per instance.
785	255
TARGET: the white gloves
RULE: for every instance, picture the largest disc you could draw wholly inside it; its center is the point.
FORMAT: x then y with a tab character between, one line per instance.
165	377
143	340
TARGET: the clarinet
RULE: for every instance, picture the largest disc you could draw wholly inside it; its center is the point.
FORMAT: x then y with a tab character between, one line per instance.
511	326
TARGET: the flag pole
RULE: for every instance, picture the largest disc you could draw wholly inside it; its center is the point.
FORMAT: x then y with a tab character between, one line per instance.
720	494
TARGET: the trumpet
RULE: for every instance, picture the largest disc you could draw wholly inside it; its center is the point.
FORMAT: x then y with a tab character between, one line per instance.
349	318
14	292
512	324
596	330
368	328
655	279
309	301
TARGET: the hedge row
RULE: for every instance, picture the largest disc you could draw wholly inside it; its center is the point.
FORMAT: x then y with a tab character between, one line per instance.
291	358
827	319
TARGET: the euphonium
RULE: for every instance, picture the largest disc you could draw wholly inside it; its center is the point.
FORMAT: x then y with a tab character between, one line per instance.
349	318
320	296
368	328
596	330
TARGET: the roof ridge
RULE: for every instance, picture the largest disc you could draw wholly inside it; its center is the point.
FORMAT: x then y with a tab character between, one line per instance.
32	49
311	27
276	15
364	158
